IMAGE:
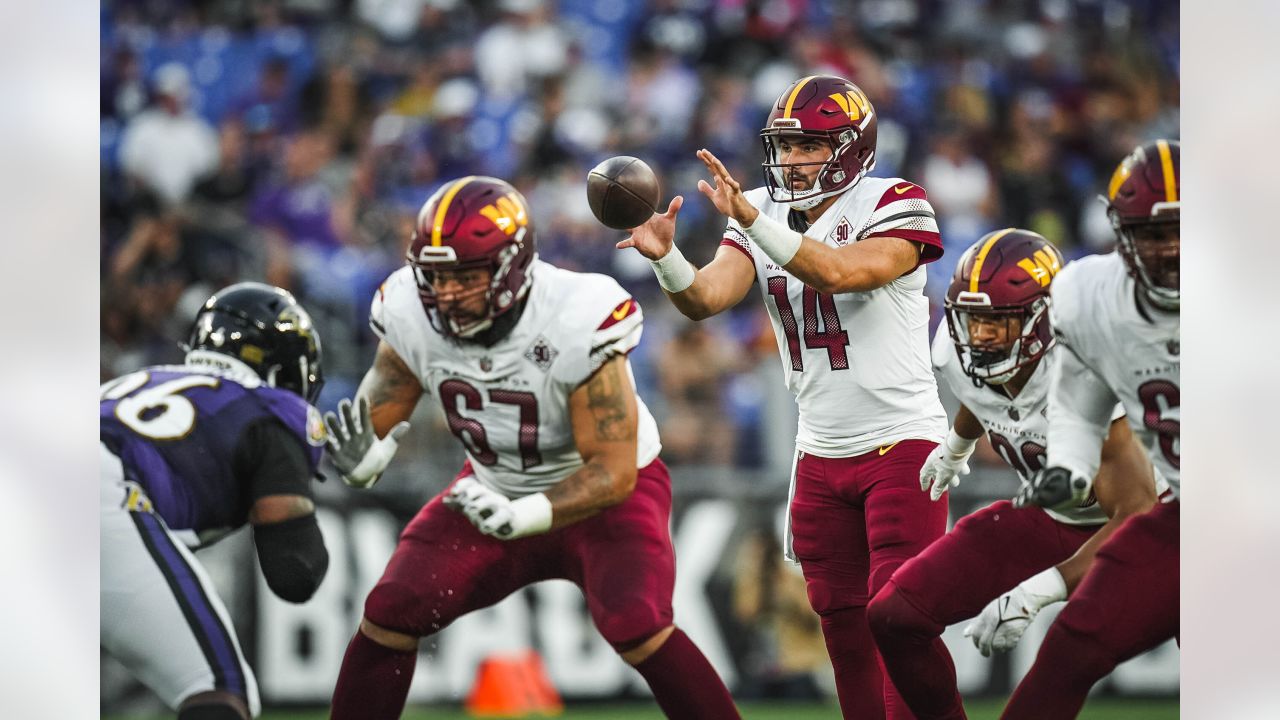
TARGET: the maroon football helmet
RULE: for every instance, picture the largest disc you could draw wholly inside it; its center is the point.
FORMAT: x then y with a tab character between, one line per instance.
1144	204
837	113
1002	279
474	222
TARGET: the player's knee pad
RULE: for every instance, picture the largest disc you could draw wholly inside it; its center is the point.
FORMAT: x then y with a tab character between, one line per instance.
890	614
210	711
397	607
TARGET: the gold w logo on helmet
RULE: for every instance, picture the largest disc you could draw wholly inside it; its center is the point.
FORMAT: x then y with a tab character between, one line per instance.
507	213
1041	266
854	103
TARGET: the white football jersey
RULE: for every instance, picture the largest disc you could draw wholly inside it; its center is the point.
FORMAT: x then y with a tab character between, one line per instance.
1018	428
509	403
1133	349
858	363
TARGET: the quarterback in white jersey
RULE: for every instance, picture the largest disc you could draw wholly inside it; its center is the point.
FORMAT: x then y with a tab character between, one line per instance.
838	257
562	478
853	399
997	354
1116	318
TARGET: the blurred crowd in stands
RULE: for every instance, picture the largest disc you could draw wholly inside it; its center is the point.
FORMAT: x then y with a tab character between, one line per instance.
293	141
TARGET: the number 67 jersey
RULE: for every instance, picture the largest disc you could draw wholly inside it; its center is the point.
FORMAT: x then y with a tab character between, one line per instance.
509	403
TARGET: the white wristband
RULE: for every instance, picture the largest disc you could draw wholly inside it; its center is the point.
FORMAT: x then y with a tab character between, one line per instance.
1046	587
533	513
959	446
779	242
675	274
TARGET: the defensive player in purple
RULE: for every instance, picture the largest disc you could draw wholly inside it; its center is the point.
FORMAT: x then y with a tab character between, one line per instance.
997	353
838	257
562	479
189	453
1117	317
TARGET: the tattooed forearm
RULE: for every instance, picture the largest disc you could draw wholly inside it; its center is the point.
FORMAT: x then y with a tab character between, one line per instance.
607	395
584	493
391	388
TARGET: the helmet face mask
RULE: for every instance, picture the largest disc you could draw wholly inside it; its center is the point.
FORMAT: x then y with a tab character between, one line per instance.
1144	206
264	329
1151	251
994	344
472	255
835	115
998	304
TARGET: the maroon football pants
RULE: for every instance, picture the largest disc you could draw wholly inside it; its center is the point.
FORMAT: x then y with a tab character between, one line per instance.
855	521
1126	604
985	554
443	567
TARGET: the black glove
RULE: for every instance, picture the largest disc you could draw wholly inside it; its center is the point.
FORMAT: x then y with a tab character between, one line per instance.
1053	488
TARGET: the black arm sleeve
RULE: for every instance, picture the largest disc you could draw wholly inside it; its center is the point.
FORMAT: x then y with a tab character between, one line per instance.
270	460
293	557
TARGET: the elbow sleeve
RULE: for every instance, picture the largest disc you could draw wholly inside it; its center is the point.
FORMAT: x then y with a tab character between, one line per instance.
293	557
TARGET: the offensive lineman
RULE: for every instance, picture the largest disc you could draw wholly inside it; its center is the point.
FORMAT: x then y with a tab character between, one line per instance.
1117	318
563	478
996	353
190	453
838	257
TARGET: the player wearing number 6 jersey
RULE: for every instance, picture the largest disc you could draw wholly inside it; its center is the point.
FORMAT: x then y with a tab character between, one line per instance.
562	478
188	454
1117	319
997	354
838	257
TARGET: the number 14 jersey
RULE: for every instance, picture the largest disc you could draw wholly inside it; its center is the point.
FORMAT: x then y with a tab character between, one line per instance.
858	363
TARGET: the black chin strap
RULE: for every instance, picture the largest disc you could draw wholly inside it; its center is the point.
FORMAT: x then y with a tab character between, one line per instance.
797	221
501	326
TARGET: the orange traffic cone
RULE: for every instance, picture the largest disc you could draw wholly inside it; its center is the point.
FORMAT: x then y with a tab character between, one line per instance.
513	685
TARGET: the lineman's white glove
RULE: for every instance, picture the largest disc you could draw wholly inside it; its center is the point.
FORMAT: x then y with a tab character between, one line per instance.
1000	625
355	449
495	514
945	465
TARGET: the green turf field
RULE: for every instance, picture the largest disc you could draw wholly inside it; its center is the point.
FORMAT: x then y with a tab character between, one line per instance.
977	710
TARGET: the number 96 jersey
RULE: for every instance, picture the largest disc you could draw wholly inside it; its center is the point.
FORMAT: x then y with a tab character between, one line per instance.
509	403
1018	428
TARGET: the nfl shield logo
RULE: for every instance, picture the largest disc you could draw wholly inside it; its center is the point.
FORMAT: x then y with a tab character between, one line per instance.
541	353
486	363
1173	346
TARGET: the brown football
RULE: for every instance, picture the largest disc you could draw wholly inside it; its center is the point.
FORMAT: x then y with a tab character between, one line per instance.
623	192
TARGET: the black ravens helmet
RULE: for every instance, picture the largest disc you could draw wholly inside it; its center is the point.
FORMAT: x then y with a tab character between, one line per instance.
265	328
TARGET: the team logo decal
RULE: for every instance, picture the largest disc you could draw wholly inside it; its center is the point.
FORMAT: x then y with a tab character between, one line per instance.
1042	266
841	233
853	103
541	353
315	428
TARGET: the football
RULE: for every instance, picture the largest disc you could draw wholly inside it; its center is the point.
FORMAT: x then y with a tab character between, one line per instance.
623	192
